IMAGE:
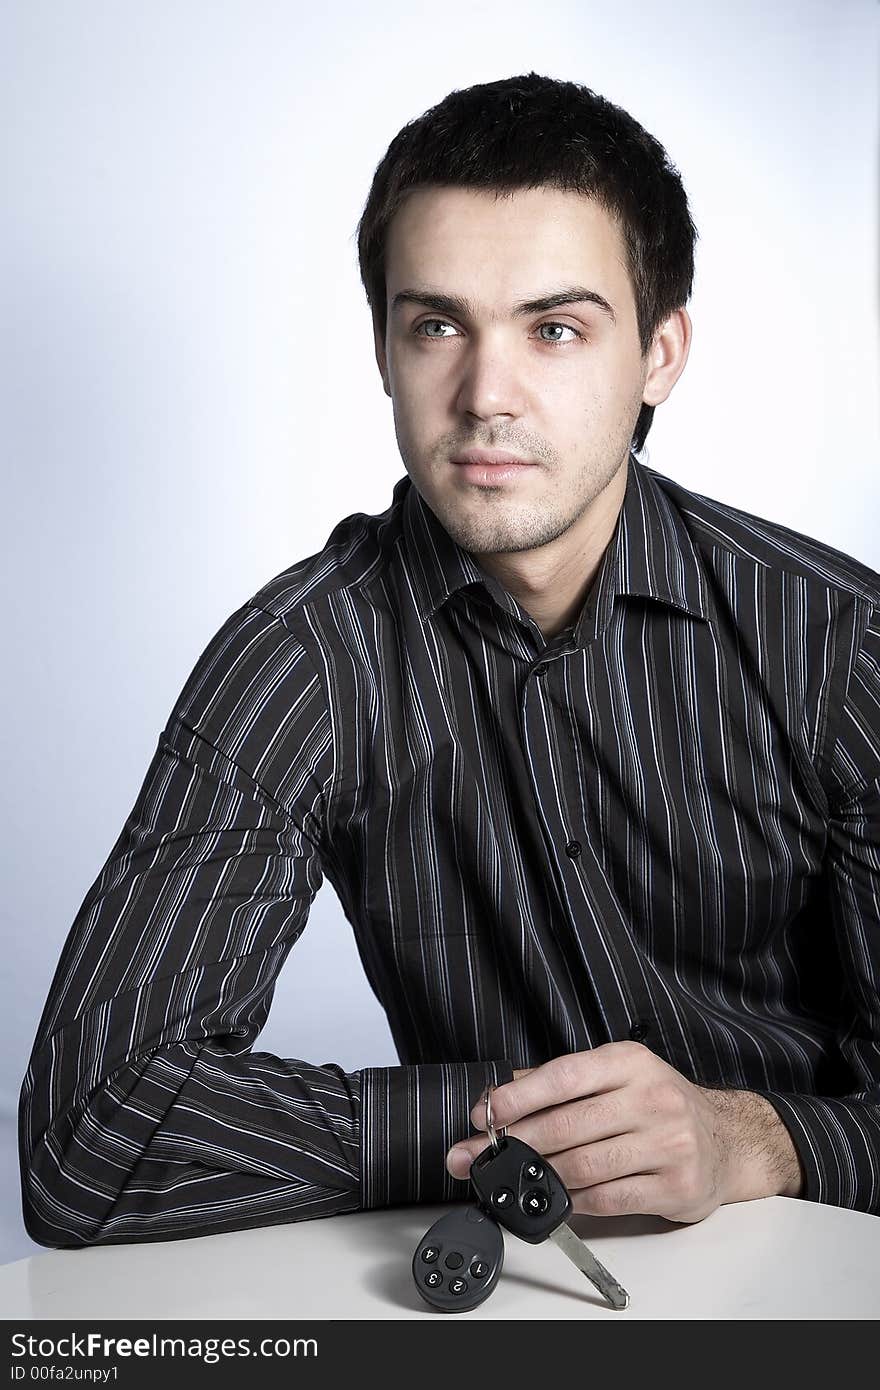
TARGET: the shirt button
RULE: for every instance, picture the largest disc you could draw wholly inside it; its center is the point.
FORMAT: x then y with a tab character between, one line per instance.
542	669
573	849
639	1031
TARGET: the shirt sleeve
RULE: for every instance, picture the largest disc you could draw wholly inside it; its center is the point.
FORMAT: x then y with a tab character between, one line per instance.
144	1113
838	1138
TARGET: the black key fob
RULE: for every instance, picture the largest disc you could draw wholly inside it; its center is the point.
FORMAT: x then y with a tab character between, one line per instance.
520	1189
457	1262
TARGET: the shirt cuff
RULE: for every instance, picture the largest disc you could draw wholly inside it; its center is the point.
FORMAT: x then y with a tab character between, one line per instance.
838	1143
410	1118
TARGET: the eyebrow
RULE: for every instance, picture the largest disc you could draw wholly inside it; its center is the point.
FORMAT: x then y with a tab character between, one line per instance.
460	307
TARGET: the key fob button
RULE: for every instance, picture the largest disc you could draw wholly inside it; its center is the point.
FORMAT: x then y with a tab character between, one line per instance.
479	1269
534	1172
429	1254
458	1286
454	1260
502	1198
535	1202
433	1279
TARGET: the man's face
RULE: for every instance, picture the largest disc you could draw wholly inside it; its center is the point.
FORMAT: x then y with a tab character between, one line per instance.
559	387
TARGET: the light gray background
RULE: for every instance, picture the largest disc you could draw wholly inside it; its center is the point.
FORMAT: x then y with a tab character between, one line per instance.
190	400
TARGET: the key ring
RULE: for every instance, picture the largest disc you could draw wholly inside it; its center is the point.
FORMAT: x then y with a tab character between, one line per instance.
489	1125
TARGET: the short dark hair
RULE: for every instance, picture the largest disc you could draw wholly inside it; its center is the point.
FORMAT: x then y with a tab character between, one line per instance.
529	131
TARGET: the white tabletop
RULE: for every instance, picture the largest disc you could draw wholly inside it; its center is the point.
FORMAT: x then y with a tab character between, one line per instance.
773	1258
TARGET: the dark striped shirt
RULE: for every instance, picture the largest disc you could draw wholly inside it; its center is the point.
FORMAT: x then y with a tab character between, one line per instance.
663	822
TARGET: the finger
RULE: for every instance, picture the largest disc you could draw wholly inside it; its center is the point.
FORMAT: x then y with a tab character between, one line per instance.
591	1165
562	1079
577	1122
640	1192
460	1158
479	1107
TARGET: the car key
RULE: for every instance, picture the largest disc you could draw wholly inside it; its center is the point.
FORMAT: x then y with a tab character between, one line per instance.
458	1260
517	1186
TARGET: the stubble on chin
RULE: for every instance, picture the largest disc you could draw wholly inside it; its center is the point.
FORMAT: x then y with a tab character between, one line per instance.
494	525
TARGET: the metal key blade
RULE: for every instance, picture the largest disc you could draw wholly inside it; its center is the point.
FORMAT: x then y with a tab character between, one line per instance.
580	1254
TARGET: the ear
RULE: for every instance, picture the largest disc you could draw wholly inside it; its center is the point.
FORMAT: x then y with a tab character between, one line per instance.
381	359
667	356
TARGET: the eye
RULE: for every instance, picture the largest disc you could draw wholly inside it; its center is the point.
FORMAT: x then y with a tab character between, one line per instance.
566	327
442	323
427	322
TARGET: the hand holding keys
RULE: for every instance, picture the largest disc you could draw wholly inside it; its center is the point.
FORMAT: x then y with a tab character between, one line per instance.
525	1195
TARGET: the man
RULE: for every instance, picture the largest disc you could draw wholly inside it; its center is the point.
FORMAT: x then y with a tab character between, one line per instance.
592	762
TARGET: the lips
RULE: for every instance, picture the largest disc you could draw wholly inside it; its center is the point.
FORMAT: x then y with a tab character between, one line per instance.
488	467
491	458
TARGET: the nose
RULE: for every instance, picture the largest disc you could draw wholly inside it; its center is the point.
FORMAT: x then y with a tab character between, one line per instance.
491	382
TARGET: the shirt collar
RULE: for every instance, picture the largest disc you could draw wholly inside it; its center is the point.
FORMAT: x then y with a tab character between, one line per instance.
651	555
